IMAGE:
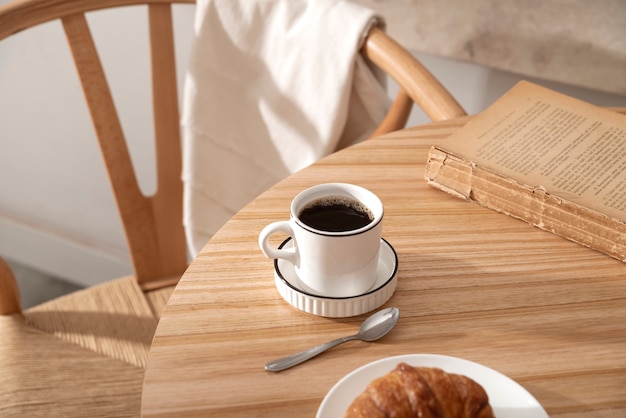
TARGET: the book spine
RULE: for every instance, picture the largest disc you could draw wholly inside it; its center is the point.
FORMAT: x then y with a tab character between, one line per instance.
465	180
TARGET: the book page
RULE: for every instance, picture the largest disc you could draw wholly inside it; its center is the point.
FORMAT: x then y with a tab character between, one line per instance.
547	140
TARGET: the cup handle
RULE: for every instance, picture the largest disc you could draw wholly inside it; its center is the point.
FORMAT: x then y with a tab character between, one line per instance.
289	254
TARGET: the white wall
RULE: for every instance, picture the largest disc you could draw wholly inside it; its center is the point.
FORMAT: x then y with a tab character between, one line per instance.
56	210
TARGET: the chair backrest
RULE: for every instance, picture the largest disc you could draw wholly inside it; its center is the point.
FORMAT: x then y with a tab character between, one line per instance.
153	224
416	84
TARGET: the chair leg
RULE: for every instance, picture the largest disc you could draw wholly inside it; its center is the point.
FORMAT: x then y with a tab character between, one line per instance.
9	292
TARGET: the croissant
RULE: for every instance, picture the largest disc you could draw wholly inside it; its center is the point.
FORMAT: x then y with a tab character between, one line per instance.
421	392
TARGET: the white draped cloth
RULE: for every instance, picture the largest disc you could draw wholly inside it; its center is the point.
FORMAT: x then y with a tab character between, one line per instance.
272	86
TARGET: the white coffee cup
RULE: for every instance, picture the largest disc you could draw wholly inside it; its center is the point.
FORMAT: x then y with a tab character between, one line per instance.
332	260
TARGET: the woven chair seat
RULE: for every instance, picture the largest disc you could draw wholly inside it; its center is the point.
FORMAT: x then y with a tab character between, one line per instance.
48	377
113	319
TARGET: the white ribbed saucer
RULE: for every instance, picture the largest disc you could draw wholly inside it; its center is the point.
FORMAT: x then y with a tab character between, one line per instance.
291	290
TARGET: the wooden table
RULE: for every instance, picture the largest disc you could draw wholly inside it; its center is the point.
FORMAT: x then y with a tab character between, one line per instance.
472	283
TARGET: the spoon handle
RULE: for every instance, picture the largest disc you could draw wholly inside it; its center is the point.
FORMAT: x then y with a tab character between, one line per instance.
295	359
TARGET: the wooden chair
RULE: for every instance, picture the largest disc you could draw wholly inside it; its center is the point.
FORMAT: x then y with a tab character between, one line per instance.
84	354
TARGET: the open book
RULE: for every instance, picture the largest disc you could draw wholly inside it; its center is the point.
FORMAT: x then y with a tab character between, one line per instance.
553	161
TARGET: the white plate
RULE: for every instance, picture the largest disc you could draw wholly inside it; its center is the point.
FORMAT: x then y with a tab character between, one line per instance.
507	398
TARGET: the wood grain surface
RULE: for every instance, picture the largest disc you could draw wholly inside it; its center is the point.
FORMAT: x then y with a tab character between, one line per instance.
472	283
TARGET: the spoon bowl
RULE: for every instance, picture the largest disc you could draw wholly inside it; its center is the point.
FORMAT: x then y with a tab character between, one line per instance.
373	328
378	325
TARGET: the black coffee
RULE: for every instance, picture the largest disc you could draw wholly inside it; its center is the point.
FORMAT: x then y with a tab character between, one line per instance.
336	214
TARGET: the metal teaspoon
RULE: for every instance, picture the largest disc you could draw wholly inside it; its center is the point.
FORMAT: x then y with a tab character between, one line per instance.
373	328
